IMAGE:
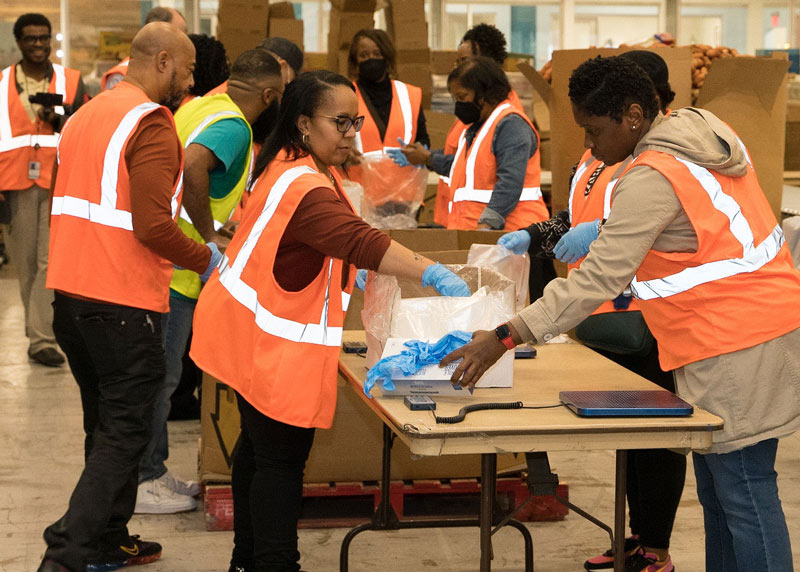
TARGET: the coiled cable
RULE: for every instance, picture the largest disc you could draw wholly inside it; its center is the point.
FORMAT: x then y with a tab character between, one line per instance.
477	407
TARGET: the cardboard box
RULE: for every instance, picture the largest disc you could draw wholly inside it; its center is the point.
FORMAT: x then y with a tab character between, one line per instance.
750	94
333	457
747	93
290	29
438	124
435	380
344	25
282	10
417	57
386	315
565	136
354	5
443	62
243	24
791	160
406	24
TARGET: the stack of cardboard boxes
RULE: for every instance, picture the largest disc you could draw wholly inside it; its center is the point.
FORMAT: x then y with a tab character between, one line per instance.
243	24
347	18
405	21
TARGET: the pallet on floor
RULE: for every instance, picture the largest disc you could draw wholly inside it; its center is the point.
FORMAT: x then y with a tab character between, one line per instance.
331	505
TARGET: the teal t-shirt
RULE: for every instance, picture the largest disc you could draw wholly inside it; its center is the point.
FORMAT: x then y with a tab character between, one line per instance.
229	140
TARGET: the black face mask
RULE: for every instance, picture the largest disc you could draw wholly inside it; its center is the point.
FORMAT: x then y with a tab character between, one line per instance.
371	70
265	122
467	111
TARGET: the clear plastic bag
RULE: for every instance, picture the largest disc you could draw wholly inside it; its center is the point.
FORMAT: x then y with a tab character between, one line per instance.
354	192
404	309
392	194
515	267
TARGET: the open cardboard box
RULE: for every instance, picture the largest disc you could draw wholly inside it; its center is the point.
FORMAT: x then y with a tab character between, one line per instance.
747	93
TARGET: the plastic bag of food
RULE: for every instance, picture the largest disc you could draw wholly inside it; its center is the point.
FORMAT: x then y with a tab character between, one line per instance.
515	267
392	194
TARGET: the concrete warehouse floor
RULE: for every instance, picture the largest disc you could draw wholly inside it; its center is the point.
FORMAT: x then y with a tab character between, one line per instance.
41	440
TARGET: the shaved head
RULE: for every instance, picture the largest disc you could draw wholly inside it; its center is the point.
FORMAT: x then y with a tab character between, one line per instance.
162	63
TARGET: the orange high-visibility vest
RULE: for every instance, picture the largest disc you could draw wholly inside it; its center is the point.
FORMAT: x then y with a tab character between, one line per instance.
121	68
93	251
23	141
221	88
738	290
600	179
443	204
406	106
474	173
278	349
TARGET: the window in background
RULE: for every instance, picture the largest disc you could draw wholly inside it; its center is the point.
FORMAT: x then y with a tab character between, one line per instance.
776	28
714	25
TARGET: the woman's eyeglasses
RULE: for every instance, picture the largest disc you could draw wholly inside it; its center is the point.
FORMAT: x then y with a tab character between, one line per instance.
344	123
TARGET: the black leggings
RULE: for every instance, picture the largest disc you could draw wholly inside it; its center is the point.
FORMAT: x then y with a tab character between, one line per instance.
655	476
267	483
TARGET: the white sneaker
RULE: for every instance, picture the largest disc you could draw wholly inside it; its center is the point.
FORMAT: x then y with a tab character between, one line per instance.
188	488
153	497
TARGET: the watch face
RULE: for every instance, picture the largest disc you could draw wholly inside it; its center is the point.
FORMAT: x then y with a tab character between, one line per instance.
502	332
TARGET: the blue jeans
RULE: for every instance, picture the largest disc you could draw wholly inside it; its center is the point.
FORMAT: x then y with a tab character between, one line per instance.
177	325
745	526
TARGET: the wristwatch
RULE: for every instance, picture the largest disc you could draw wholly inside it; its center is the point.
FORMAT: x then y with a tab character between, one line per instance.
503	333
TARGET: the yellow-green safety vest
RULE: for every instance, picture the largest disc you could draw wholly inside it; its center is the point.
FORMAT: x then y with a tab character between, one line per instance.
191	120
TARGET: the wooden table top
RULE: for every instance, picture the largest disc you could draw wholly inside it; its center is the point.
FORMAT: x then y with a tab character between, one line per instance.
537	382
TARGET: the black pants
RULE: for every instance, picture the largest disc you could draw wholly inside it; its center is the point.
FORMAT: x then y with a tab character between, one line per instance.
116	356
655	477
267	483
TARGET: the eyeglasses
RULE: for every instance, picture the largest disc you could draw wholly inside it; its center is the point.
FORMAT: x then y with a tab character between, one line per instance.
344	123
30	40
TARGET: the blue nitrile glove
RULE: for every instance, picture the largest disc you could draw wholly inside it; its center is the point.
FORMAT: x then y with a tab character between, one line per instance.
445	281
361	279
517	242
575	244
216	258
416	355
398	157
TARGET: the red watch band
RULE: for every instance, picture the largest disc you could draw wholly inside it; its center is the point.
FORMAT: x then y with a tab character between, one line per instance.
503	333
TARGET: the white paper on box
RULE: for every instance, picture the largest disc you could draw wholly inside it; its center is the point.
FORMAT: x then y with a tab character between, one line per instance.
435	380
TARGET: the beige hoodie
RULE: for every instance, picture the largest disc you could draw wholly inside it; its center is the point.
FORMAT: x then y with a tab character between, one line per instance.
647	214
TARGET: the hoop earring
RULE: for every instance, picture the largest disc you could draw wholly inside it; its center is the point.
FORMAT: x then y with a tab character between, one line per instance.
304	139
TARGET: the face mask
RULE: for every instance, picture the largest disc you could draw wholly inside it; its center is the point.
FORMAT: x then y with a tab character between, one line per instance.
467	112
265	122
372	70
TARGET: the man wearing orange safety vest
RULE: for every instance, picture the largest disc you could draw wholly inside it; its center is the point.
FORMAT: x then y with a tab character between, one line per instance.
113	245
158	14
29	126
692	233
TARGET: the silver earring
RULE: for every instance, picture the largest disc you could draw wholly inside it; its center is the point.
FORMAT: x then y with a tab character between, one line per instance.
633	127
304	138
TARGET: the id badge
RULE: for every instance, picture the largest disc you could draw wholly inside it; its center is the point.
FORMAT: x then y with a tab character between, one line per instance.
34	169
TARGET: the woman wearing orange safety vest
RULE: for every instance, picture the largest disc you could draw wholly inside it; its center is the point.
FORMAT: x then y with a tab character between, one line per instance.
693	234
480	40
495	172
269	323
617	330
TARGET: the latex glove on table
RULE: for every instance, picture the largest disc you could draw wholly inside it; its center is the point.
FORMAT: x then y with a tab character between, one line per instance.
575	244
517	242
216	258
444	281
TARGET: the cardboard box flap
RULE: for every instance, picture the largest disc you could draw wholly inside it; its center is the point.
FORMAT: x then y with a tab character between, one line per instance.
728	78
544	89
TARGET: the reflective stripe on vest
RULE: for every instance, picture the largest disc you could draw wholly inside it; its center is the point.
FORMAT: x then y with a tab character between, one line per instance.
231	279
7	140
197	131
575	178
468	192
106	213
404	100
753	257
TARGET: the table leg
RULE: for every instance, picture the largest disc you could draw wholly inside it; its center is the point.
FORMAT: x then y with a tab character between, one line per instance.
619	511
488	490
